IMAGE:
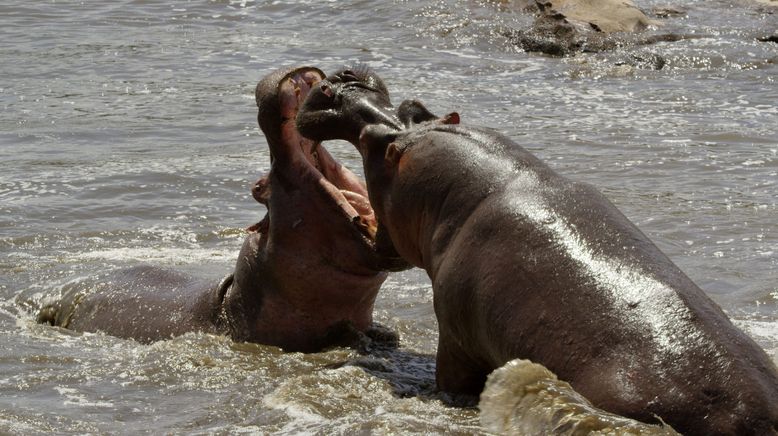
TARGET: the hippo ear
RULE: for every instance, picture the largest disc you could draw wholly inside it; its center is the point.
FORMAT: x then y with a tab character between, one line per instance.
393	154
376	136
413	112
452	118
261	189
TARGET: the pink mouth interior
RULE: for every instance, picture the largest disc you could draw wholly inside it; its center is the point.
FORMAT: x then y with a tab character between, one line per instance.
343	186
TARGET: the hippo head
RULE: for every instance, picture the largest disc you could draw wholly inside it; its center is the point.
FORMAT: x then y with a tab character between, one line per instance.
346	102
354	105
306	185
312	263
339	106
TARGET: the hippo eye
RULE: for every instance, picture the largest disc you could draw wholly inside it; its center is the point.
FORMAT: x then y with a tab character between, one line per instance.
349	76
360	85
326	90
354	78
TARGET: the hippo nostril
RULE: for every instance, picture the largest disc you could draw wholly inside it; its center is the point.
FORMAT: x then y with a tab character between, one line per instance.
326	90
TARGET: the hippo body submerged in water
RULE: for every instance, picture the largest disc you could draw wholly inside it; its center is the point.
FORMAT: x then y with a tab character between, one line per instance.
527	264
306	277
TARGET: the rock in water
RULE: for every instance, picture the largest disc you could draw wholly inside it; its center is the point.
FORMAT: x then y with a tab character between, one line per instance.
603	15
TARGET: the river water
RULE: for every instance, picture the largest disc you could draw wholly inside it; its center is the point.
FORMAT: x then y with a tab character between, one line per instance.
128	136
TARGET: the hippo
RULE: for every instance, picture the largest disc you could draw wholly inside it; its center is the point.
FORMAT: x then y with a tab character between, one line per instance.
306	277
528	264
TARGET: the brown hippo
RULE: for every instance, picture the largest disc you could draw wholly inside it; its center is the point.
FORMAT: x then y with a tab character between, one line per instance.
306	277
528	264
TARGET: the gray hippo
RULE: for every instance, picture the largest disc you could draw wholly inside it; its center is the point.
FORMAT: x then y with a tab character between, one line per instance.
528	264
306	277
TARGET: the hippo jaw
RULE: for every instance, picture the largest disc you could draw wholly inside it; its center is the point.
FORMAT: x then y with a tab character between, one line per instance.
346	105
345	102
304	163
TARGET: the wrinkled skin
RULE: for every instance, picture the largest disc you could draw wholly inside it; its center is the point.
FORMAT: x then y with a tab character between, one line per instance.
527	264
306	277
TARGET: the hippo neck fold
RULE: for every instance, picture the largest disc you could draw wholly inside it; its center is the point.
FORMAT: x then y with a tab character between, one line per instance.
303	307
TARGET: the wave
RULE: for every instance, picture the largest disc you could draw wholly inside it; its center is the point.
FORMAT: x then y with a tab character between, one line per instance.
523	397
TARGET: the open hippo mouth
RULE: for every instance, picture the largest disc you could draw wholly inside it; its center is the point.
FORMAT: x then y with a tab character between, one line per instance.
347	191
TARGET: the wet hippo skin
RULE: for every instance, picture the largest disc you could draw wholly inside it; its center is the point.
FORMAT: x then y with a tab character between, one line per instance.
306	277
526	263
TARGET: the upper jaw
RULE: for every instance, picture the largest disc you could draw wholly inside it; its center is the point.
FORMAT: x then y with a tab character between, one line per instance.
267	95
292	90
292	152
320	115
342	104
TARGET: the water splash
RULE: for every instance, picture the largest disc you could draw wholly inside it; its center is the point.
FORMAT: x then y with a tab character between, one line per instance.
523	397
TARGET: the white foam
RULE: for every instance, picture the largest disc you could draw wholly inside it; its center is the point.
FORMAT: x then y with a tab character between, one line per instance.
17	427
157	255
764	332
301	415
523	397
73	398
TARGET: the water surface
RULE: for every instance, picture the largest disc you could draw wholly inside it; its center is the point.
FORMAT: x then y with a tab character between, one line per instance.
128	136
